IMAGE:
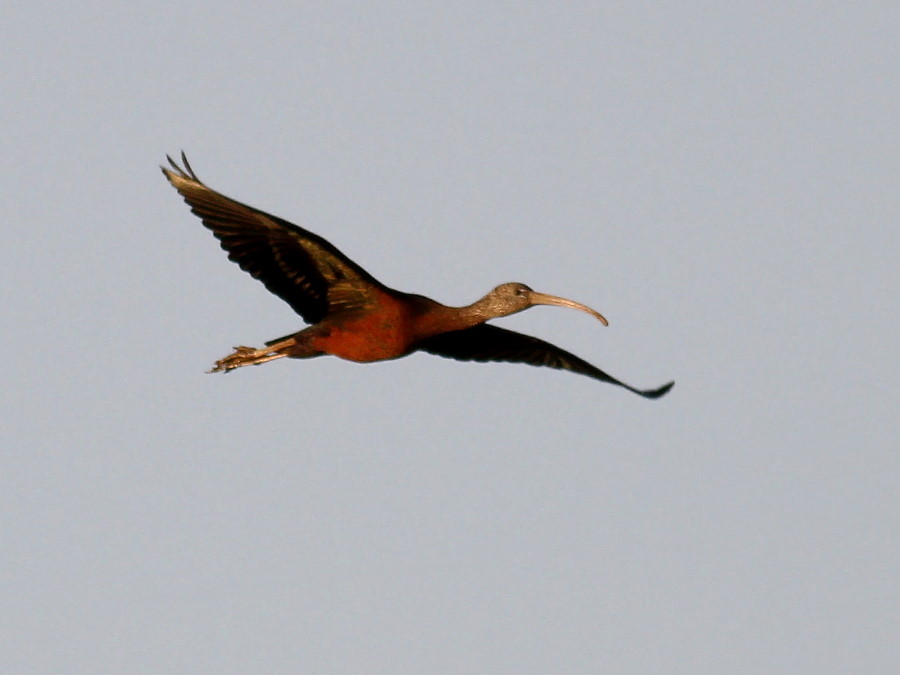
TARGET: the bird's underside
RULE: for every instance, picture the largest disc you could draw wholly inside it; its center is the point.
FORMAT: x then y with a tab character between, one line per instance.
354	316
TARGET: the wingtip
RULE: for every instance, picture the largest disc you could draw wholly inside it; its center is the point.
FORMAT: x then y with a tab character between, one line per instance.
179	171
187	166
658	392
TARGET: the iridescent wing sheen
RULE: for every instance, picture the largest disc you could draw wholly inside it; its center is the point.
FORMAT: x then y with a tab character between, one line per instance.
301	268
486	342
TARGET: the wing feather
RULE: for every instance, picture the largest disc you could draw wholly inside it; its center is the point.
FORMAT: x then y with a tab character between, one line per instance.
486	342
300	267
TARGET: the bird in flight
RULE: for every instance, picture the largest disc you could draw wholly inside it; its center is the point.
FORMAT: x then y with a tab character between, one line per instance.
353	315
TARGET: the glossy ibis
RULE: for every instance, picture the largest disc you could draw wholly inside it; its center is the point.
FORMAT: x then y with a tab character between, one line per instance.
353	315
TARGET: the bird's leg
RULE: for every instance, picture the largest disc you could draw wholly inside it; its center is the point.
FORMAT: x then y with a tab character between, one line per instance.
248	356
244	356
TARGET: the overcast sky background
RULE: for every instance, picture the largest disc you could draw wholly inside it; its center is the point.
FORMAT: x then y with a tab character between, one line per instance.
720	180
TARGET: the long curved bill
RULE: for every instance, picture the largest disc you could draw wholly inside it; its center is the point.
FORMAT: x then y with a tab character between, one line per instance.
544	299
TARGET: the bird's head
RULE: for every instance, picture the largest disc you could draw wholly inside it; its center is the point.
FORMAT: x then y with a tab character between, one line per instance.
514	297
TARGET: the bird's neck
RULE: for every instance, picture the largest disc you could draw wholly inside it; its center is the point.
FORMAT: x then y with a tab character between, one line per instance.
442	319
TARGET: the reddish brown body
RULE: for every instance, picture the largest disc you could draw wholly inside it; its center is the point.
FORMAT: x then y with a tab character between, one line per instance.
353	315
390	327
386	329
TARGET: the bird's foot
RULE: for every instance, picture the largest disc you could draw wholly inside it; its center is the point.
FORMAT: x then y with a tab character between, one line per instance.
242	356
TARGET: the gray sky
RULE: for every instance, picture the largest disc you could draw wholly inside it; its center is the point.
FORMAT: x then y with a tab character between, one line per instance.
720	181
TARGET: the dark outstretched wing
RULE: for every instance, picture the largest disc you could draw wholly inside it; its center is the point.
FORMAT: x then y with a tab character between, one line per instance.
301	268
485	342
